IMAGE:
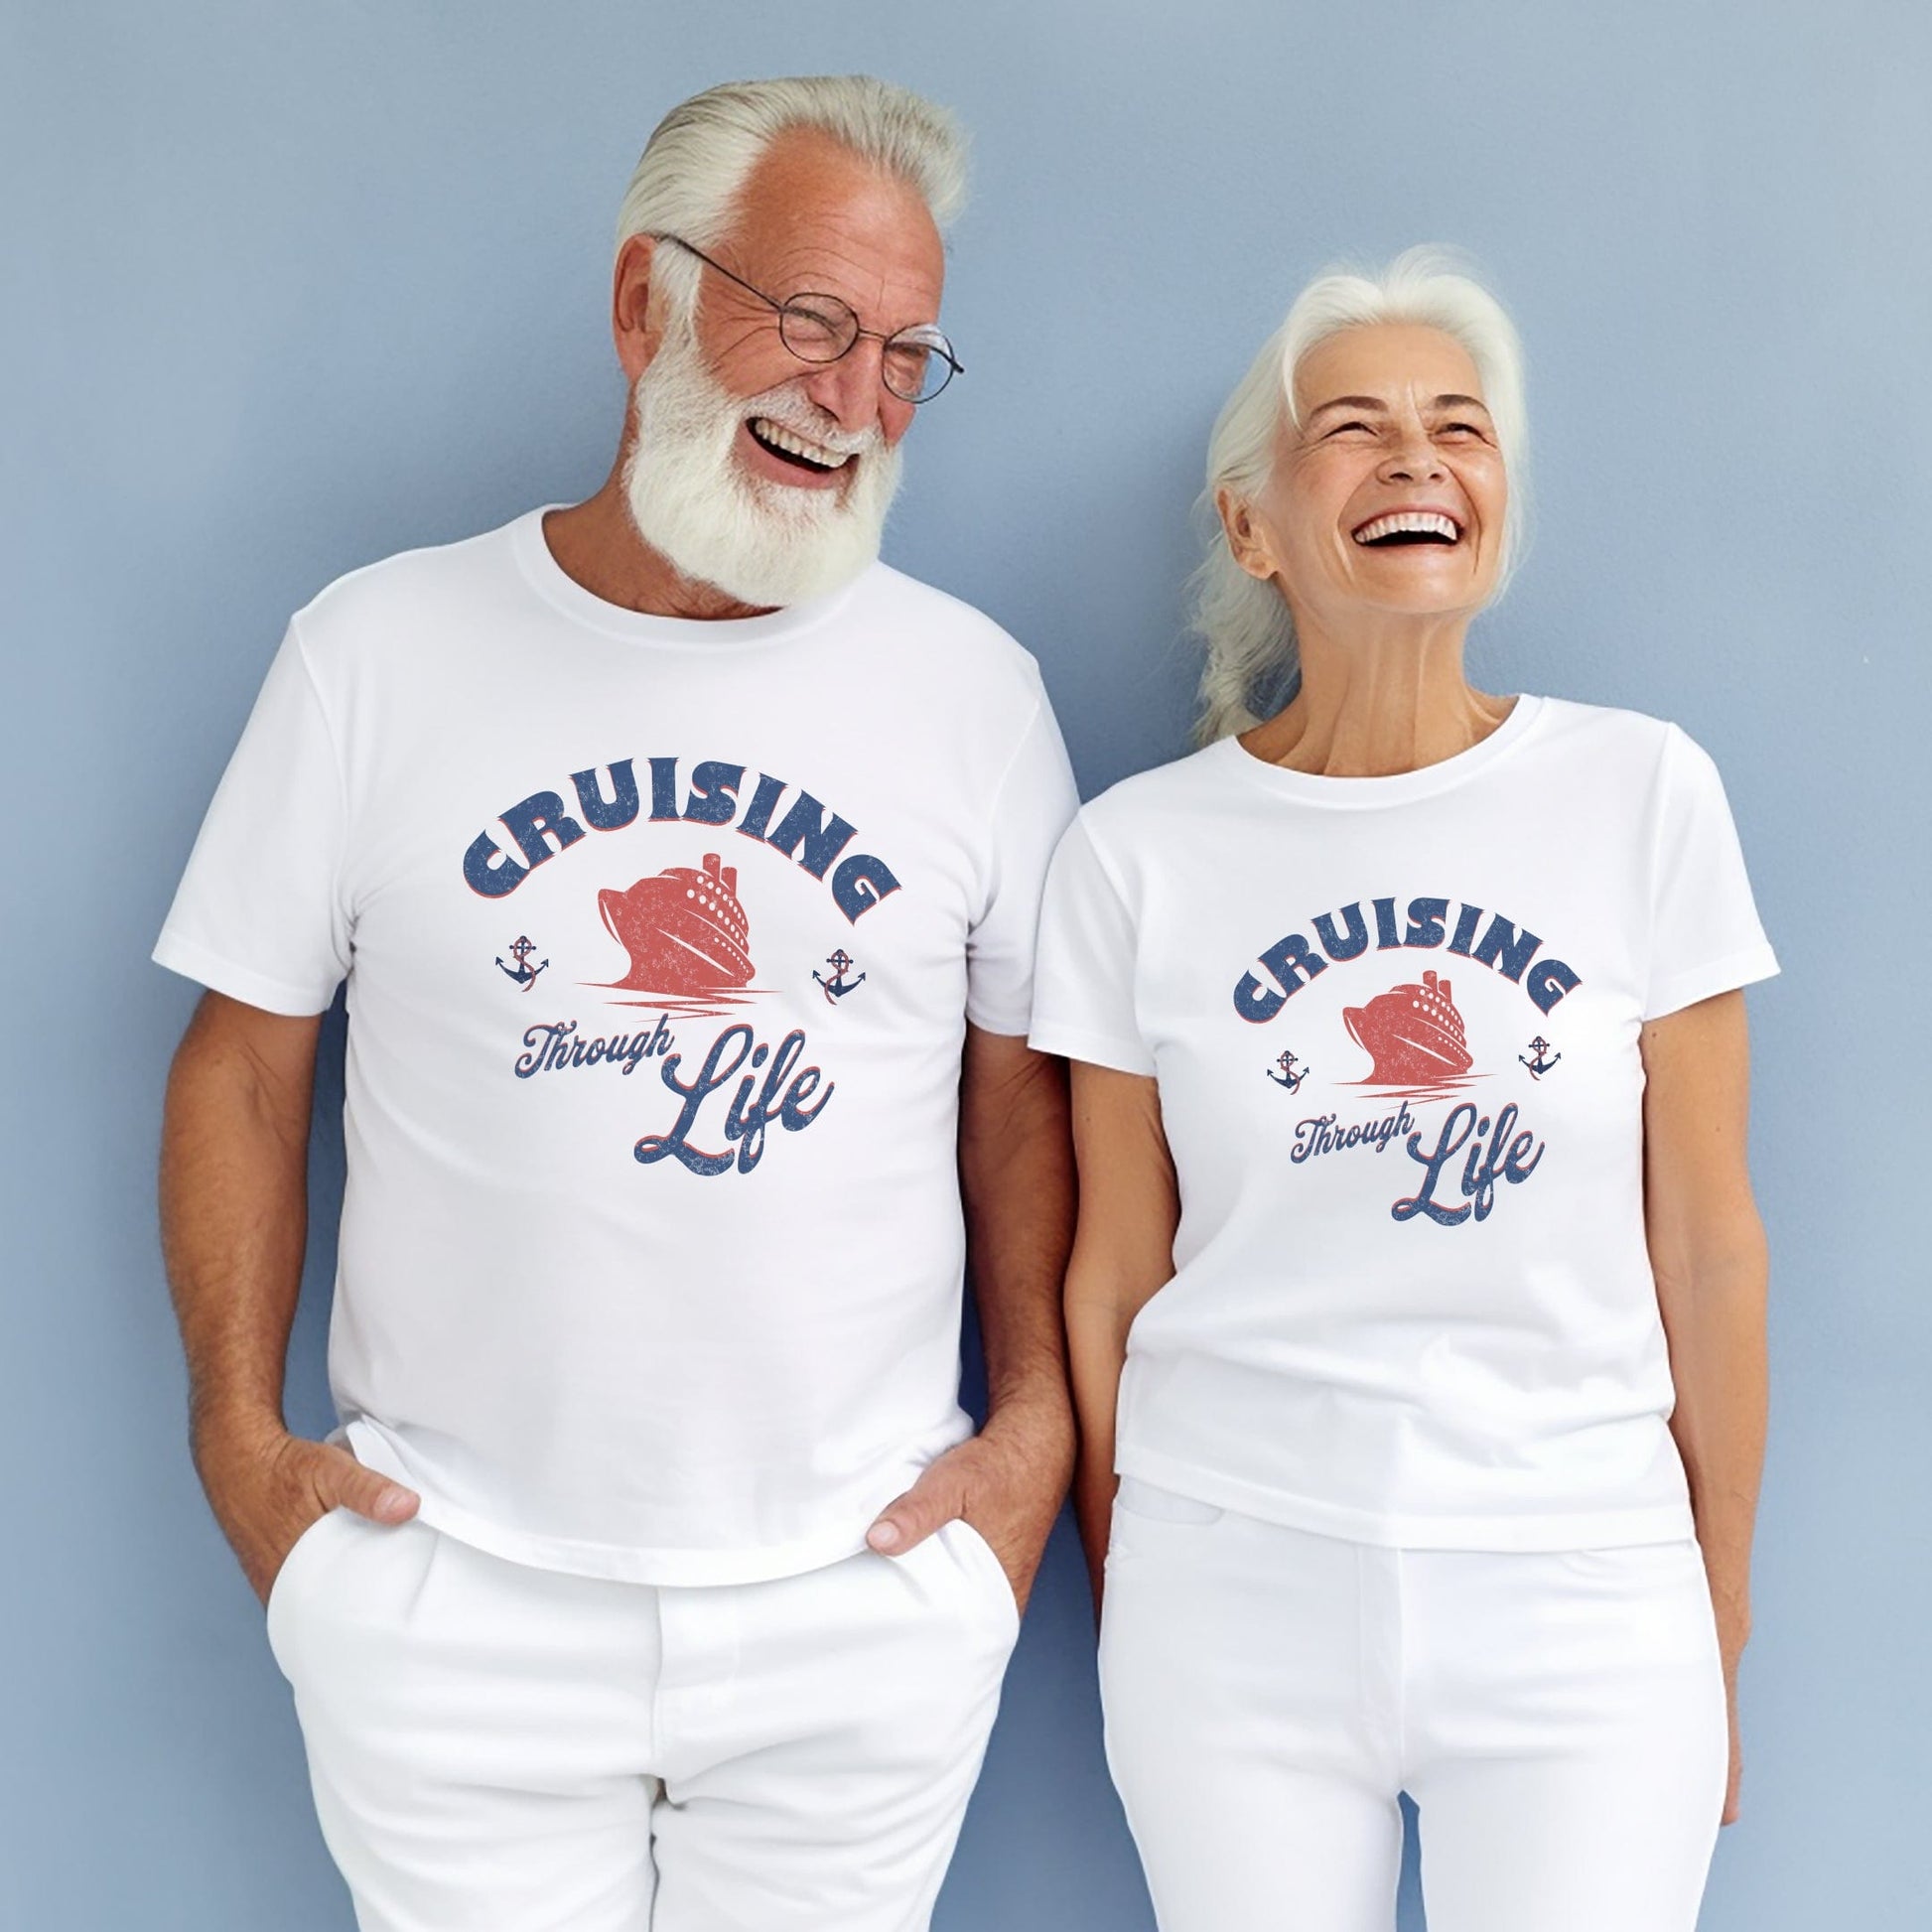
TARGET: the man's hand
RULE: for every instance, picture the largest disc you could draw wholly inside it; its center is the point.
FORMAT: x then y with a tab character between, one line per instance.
1016	1177
267	1486
233	1215
1008	1481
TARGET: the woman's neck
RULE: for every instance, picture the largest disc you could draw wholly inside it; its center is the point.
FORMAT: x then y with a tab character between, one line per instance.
1384	699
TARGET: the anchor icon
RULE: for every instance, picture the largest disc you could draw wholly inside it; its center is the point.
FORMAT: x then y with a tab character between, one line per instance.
524	974
1286	1077
838	986
1538	1066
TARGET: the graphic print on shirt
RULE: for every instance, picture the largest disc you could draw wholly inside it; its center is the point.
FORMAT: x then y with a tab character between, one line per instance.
1418	1046
687	935
1291	1073
523	973
838	986
1540	1065
686	938
1415	1037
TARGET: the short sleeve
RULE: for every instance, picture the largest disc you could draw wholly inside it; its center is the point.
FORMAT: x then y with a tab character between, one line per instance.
1083	995
1705	935
259	913
1036	799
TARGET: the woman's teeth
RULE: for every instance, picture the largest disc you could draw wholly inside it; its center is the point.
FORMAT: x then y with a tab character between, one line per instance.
1430	525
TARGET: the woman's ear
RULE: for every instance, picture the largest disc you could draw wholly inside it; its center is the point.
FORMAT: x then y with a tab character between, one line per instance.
1247	537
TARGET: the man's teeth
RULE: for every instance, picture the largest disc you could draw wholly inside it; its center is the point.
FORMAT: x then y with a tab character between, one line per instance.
774	438
1418	523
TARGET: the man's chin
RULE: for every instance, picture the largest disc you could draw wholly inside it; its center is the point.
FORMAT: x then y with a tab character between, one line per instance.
720	515
777	578
761	543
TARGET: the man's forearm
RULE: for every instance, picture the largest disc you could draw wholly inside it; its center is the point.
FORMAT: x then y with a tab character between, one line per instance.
1016	1162
234	1209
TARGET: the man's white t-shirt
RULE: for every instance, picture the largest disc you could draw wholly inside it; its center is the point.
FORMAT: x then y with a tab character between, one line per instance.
1394	1023
660	938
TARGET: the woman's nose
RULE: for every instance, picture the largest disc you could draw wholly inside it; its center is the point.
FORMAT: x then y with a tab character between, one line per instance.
1413	459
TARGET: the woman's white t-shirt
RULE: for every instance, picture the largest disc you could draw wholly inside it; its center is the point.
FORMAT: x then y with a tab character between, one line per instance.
1395	1027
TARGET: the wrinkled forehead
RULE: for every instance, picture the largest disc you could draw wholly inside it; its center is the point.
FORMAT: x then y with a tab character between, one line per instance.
814	215
1389	366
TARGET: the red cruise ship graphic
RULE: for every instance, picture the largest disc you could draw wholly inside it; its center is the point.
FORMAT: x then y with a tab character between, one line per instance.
1413	1034
685	931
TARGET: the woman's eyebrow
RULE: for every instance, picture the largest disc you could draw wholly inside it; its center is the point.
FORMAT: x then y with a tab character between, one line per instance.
1349	402
1376	402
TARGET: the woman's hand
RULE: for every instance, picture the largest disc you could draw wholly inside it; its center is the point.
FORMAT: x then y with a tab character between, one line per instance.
1706	1251
1731	1645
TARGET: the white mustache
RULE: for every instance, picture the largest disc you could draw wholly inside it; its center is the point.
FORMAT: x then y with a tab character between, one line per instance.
802	417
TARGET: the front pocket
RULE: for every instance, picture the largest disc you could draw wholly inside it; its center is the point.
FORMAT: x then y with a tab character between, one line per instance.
301	1551
1156	1505
1638	1565
979	1554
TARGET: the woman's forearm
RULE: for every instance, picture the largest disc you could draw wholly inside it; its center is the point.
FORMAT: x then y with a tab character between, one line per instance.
1718	1365
1123	1254
1096	1332
1708	1254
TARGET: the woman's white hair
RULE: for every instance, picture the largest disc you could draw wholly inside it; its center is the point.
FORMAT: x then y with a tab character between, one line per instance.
1244	621
703	150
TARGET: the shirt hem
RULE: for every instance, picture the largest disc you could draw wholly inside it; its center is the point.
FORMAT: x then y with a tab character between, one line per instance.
611	1562
1096	1049
1726	975
1576	1529
996	1023
209	969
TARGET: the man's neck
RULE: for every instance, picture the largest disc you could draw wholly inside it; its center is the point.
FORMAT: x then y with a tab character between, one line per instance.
595	544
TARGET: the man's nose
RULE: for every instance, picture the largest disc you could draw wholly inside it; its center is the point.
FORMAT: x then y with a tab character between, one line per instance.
849	389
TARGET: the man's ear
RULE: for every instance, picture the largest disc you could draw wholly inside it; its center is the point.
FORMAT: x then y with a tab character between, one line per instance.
1247	541
637	327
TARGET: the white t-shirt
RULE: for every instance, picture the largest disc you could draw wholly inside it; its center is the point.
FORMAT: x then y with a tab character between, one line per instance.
1395	1027
661	938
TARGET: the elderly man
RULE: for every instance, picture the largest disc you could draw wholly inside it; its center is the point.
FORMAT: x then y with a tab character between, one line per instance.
682	862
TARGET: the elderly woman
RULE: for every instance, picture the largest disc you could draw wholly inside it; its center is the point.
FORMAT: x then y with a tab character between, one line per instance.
1418	1298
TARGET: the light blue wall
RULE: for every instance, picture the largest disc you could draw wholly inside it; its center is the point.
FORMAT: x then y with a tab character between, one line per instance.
289	287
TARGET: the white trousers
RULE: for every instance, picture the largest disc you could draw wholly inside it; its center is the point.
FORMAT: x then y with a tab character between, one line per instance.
499	1748
1559	1720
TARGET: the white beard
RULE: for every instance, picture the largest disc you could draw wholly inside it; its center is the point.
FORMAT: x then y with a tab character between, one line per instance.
754	539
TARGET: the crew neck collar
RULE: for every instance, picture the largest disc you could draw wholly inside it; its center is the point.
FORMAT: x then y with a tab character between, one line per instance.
1398	788
548	578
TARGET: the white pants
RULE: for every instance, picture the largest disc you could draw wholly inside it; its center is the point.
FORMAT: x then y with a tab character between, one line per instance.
1559	1720
499	1748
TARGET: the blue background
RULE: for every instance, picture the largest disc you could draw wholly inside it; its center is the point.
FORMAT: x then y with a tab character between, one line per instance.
288	288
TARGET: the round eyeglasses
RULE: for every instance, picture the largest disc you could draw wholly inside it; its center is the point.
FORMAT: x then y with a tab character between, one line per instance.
914	363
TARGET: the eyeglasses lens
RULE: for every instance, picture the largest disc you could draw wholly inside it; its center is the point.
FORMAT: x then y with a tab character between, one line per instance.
821	329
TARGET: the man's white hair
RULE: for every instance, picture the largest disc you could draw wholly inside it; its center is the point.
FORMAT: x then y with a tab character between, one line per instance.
698	159
1245	623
